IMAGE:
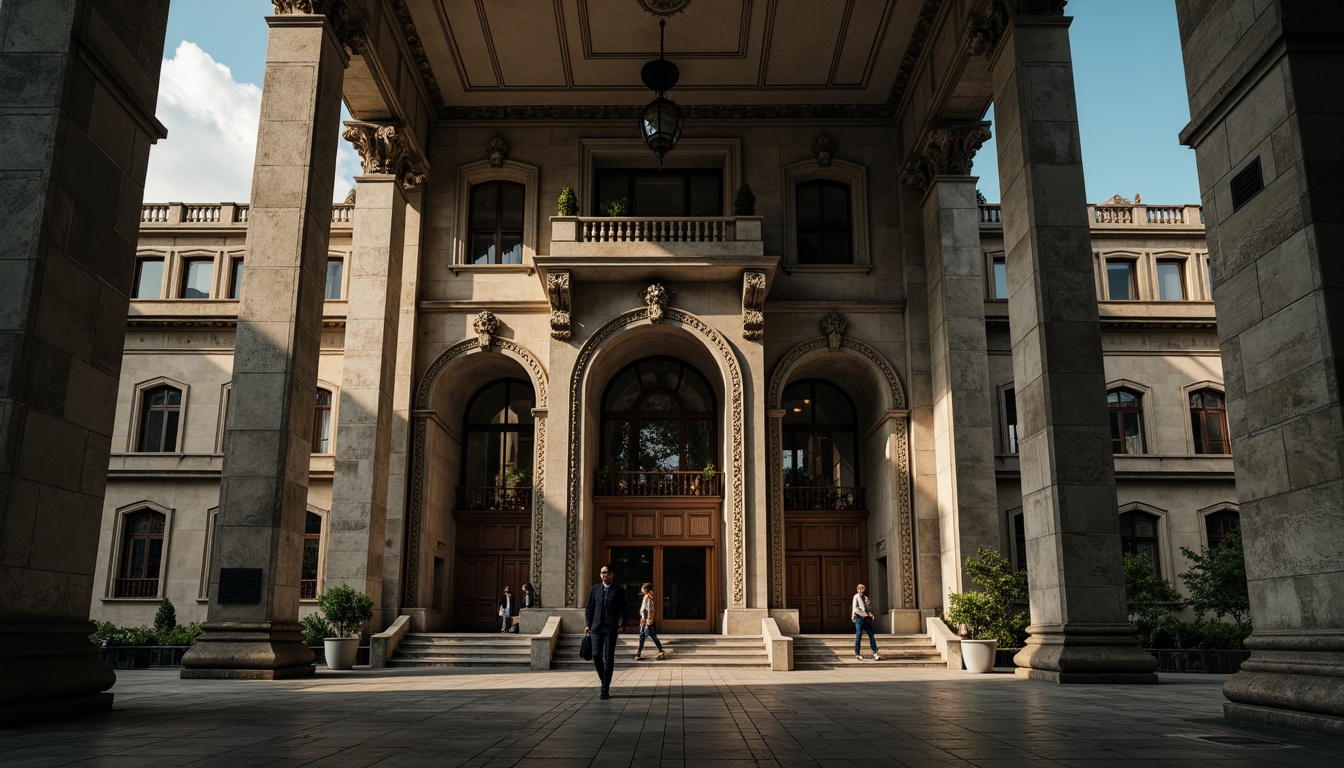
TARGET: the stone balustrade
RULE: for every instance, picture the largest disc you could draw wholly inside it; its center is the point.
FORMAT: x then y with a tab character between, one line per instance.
1136	215
219	214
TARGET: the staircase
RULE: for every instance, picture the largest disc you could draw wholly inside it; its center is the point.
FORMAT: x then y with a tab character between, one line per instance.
830	651
477	649
738	651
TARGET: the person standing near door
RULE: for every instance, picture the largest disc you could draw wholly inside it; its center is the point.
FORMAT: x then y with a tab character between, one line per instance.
506	610
860	611
604	617
646	630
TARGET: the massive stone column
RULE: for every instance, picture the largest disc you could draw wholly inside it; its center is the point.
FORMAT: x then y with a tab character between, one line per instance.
1266	107
77	110
1079	630
963	427
252	630
358	523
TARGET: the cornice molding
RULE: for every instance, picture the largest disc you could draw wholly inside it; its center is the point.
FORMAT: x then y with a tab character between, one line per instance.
691	112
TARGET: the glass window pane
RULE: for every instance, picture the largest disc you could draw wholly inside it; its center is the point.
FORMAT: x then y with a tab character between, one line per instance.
148	279
1197	427
335	273
511	249
197	278
1216	441
1000	278
830	406
310	550
152	434
482	249
809	205
1133	436
154	556
623	392
684	583
659	402
312	523
521	403
659	374
512	217
1120	280
323	397
485	206
488	407
659	444
170	430
661	195
837	247
809	248
236	280
323	443
1170	283
617	444
699	444
136	559
835	205
706	195
475	463
798	404
173	396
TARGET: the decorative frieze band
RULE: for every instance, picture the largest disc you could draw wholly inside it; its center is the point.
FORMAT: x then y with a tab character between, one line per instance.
753	306
983	37
384	149
949	150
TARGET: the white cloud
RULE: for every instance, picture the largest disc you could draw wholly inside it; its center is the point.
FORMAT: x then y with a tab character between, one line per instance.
212	134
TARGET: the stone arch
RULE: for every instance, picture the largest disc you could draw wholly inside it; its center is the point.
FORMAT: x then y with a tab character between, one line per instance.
423	413
730	372
890	403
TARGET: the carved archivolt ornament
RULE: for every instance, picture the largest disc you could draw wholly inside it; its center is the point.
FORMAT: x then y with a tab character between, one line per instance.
496	151
557	290
753	305
655	296
664	7
383	149
485	326
949	150
983	37
822	148
833	326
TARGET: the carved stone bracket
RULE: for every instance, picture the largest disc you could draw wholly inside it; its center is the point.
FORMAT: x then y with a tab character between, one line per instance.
351	35
384	149
485	326
833	327
496	151
822	147
557	289
655	296
753	305
983	37
949	150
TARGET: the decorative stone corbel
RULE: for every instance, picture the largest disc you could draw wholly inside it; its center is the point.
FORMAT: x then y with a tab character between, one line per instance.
383	149
485	326
983	37
948	150
833	326
496	151
822	148
753	305
655	296
557	289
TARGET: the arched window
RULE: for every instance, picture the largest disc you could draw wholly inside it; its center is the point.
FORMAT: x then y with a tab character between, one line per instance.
821	448
1219	524
1208	421
141	554
312	550
1138	536
496	223
1126	421
658	415
825	223
322	421
497	447
160	414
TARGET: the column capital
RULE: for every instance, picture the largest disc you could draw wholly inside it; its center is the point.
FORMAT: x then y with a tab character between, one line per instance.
351	35
384	149
983	37
948	150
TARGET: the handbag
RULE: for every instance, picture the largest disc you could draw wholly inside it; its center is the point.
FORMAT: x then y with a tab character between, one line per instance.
586	648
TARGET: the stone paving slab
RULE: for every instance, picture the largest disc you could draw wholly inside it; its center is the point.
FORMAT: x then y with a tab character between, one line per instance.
673	717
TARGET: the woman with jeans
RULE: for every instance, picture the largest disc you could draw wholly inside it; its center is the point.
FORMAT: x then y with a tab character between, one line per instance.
863	620
646	629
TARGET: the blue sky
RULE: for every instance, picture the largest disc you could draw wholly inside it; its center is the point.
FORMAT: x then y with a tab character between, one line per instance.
1127	72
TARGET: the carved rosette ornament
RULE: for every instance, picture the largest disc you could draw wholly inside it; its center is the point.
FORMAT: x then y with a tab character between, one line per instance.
983	37
753	305
351	35
949	150
822	147
655	296
664	7
496	151
383	149
833	327
557	290
485	326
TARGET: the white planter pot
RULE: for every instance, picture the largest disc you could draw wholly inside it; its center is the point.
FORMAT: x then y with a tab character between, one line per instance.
978	655
341	651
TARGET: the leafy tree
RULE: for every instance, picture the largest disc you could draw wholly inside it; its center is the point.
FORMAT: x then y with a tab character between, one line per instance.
346	609
994	612
1217	580
1150	600
166	617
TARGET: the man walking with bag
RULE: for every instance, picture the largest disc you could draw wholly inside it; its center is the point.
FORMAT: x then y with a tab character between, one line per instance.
604	617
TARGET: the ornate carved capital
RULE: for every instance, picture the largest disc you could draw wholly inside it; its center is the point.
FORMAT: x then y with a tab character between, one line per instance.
753	305
485	326
822	147
948	151
983	37
351	35
833	326
496	151
655	296
557	289
384	149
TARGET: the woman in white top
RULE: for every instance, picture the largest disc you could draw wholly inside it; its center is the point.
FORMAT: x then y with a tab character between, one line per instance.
863	620
506	611
646	624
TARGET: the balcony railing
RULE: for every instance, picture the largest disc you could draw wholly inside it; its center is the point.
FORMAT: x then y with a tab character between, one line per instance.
1137	215
219	214
136	588
307	589
679	229
830	498
495	498
657	483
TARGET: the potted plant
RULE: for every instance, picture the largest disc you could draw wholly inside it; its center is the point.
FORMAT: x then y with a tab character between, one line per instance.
617	207
992	614
744	202
707	477
568	202
346	610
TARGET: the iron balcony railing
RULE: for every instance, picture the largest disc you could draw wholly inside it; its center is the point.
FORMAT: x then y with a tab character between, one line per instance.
830	498
307	589
137	588
495	498
657	483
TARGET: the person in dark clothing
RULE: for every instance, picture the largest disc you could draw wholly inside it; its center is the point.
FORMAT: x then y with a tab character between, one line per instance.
604	617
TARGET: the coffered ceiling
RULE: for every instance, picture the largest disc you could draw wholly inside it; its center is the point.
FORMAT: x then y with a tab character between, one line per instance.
546	53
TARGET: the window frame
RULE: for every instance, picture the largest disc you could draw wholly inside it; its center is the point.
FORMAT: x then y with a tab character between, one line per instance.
813	427
1230	507
481	172
823	228
344	259
118	553
683	417
1010	433
184	271
856	178
470	427
1199	389
632	173
319	583
330	410
1132	260
232	289
1182	264
1162	562
993	259
140	259
138	393
1140	394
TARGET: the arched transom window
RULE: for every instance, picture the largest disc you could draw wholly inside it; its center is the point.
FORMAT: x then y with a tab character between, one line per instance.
141	554
1138	536
821	448
1126	416
658	415
498	446
1208	421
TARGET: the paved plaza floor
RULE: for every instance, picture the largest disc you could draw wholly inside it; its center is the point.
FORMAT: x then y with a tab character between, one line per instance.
660	717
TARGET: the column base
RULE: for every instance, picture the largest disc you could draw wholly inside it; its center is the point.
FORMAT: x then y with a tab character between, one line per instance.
240	650
1284	718
51	670
1094	654
743	621
1296	680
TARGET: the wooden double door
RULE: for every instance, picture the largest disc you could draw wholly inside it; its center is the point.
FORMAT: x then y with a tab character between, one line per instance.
671	544
492	552
824	562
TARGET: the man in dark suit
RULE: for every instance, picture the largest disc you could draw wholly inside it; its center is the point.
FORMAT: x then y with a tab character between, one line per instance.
604	616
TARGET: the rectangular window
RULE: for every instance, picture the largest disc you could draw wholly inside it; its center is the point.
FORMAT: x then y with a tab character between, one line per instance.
148	279
1010	417
1000	277
335	272
236	279
655	193
1208	269
1171	280
1120	281
197	274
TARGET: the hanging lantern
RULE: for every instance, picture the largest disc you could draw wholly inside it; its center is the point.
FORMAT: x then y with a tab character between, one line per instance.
660	123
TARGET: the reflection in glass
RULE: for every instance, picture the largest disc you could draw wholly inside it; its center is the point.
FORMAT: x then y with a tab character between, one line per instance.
148	278
684	583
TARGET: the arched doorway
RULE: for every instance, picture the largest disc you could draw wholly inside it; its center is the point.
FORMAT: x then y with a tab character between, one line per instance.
825	513
492	515
657	491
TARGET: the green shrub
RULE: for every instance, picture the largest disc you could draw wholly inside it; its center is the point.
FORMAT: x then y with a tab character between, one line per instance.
316	628
1151	601
346	609
178	635
744	202
995	611
568	202
1217	581
1200	635
618	207
166	617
